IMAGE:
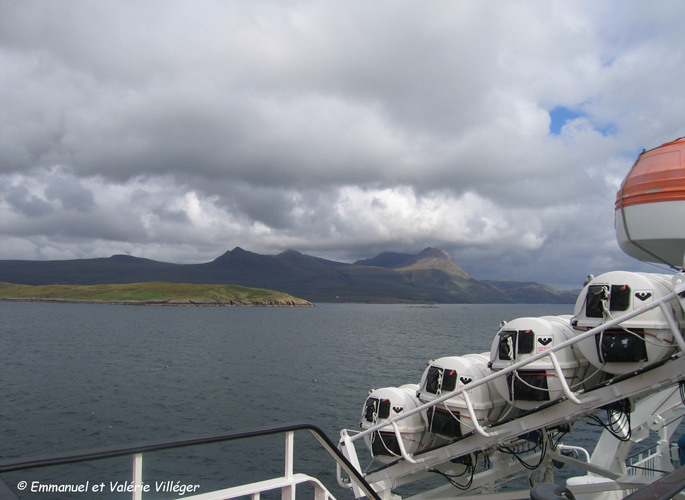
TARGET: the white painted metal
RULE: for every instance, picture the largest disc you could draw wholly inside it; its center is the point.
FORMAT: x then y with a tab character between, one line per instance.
286	484
288	492
653	232
658	407
562	379
137	476
563	412
281	483
657	325
484	405
411	435
558	367
347	448
590	333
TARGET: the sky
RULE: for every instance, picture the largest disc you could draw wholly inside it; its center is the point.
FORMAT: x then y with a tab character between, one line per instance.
173	130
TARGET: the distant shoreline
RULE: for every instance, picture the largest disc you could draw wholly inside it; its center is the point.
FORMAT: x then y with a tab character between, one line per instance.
151	294
161	303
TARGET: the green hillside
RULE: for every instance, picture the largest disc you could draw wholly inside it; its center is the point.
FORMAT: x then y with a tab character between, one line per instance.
152	293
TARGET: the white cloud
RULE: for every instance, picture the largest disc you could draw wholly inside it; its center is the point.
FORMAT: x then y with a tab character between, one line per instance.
175	130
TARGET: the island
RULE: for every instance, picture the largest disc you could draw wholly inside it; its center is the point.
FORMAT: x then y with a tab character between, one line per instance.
152	294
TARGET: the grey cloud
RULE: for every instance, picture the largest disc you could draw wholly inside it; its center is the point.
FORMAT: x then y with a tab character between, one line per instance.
107	227
22	200
70	193
307	116
338	128
175	216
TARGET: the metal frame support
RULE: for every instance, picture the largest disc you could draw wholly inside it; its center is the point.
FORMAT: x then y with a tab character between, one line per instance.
137	476
288	492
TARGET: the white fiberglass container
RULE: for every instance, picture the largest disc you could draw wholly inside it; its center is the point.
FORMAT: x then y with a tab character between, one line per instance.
650	206
389	402
452	418
537	382
638	342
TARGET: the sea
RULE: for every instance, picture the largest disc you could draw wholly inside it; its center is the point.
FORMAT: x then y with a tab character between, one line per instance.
84	376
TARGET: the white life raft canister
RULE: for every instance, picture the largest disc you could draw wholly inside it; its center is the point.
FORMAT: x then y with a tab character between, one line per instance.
451	418
389	402
638	342
537	382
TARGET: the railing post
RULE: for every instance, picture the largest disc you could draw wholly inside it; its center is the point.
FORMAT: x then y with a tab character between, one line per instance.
675	329
288	492
319	492
138	476
562	379
474	419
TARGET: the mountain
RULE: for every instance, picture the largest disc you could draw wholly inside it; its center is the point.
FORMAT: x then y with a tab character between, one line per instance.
435	273
430	258
535	293
430	276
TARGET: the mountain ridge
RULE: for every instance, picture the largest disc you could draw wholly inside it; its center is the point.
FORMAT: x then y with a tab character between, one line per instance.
430	276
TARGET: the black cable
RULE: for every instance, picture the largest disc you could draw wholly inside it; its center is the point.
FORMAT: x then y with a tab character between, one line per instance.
453	482
647	468
557	439
543	452
621	418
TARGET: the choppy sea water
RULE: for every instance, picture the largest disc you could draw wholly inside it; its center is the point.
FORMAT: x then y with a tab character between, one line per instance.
77	376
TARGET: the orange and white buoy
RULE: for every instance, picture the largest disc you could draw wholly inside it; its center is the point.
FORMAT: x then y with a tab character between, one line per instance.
650	206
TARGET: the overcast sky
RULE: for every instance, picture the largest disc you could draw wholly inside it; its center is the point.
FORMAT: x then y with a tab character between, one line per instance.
176	130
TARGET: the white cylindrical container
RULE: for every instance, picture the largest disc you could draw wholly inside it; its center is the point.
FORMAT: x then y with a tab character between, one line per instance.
389	402
537	382
637	342
451	418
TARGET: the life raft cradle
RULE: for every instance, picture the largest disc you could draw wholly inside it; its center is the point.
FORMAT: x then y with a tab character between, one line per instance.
651	383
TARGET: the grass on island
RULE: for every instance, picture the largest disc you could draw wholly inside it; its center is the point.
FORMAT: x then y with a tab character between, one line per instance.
147	292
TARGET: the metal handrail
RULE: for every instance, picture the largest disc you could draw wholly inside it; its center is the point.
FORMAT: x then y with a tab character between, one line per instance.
515	366
134	449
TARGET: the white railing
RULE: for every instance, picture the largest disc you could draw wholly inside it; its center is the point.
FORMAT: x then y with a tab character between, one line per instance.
646	463
286	484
